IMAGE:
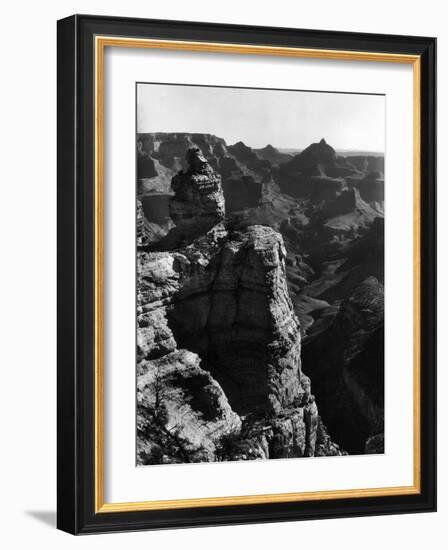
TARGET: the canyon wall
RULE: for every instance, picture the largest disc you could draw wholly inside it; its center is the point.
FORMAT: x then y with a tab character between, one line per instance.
327	210
218	342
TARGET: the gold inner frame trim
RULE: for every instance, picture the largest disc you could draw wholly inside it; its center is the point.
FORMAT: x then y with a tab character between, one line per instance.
101	42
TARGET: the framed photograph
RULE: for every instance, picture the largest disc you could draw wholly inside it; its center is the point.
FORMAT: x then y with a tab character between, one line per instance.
246	274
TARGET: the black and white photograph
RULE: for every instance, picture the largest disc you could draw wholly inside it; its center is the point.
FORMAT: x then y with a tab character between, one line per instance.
223	221
260	273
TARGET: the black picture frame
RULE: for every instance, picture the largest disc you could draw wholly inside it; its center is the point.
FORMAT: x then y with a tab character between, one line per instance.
76	256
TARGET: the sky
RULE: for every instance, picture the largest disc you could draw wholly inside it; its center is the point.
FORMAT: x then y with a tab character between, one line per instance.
282	118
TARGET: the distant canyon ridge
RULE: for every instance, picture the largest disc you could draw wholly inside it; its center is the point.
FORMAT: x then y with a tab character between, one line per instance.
260	276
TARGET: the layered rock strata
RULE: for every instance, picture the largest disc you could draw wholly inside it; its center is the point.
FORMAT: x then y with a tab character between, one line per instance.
198	201
243	173
329	210
219	369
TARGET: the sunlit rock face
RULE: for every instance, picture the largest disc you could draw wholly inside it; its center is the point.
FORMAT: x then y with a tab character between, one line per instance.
234	310
198	201
225	297
183	413
218	341
161	156
328	208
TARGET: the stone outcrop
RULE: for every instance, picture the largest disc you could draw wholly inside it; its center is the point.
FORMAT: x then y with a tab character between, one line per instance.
348	213
182	412
225	297
368	163
218	342
371	188
317	172
198	201
273	155
170	148
314	154
326	210
160	156
347	376
248	157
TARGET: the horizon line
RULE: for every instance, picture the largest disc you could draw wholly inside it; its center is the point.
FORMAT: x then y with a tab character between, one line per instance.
298	149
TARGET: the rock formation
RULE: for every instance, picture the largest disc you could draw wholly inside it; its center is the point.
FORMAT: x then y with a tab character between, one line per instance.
317	173
348	380
371	188
182	412
323	214
273	155
198	201
243	173
368	163
218	343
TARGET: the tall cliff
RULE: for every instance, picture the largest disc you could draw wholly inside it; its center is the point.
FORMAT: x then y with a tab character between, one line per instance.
219	372
329	212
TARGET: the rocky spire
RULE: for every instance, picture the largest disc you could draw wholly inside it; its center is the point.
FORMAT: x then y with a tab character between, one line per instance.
198	201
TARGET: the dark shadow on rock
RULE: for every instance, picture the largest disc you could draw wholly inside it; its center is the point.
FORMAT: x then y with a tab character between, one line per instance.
48	517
